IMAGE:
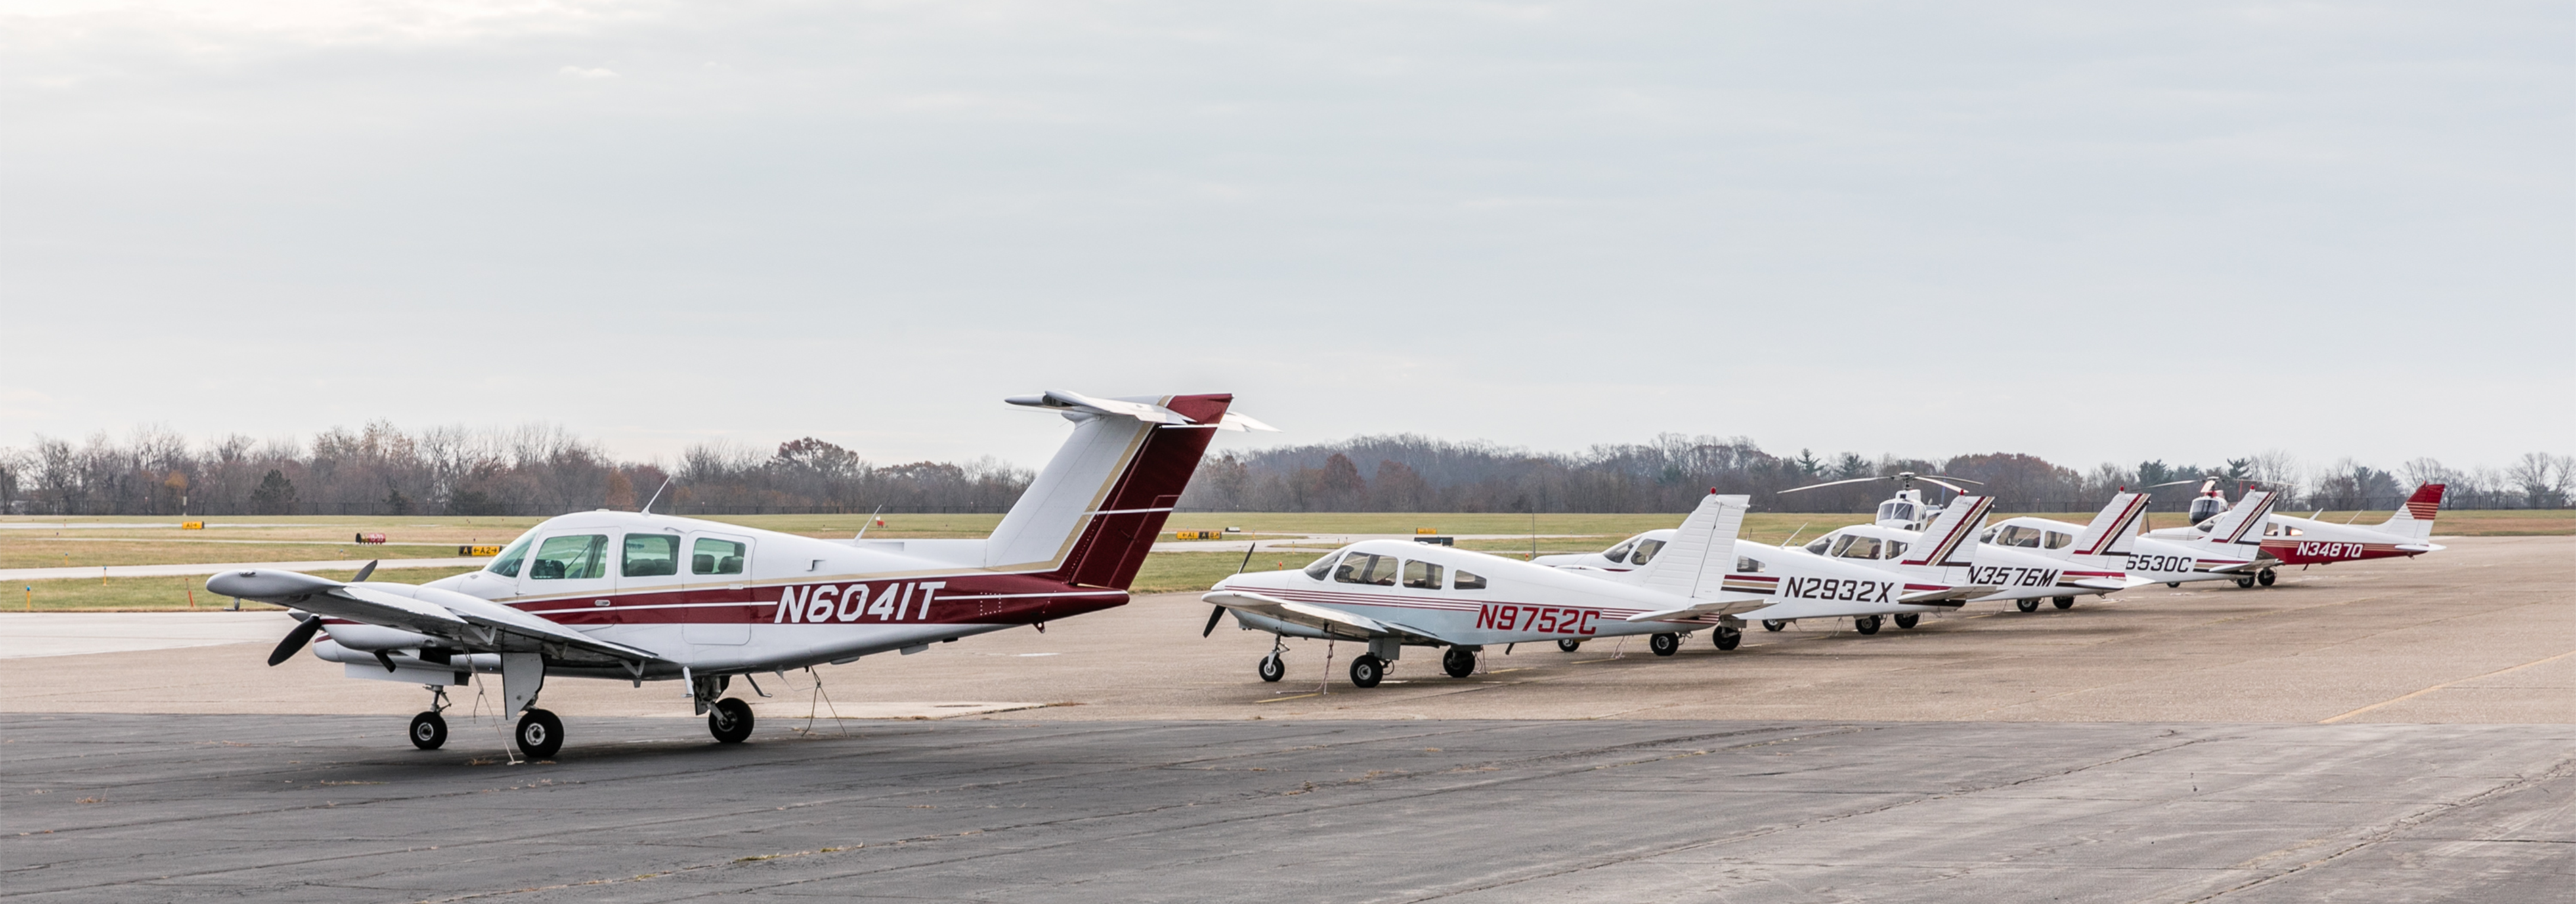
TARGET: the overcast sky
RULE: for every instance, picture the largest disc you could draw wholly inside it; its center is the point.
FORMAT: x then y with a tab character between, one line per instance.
2085	231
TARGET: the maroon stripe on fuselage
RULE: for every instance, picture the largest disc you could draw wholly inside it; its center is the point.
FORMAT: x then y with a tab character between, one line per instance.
966	599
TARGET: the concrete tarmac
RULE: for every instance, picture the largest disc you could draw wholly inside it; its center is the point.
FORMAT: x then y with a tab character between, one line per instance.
339	809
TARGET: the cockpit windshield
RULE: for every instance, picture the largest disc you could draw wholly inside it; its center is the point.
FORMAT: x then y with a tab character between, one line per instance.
508	562
1896	510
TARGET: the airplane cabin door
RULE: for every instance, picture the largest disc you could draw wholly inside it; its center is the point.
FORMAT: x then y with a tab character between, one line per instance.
719	574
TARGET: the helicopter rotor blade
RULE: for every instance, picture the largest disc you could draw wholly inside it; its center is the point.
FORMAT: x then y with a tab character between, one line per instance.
1944	484
1959	479
1819	486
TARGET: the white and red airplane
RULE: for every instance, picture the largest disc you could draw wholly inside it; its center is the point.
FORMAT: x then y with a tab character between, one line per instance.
635	596
2292	540
1392	594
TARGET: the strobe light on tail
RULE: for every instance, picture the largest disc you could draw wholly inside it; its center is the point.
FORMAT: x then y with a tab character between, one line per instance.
639	597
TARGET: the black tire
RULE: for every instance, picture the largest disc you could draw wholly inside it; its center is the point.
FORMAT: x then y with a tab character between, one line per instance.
2063	602
1769	624
1272	668
2026	605
1665	644
540	734
2173	583
1367	670
1569	644
1867	624
2267	577
428	731
1908	620
2246	582
1727	638
730	721
1458	663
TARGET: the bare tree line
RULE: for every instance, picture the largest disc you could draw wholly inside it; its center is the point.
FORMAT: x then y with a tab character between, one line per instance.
543	470
530	470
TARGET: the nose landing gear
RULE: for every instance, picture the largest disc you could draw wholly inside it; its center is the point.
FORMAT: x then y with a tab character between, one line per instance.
729	720
1272	668
429	729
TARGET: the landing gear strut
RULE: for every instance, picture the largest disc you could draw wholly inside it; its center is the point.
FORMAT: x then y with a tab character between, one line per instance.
1867	624
1459	662
1367	670
429	729
729	720
1272	668
1665	644
1908	620
540	734
2063	602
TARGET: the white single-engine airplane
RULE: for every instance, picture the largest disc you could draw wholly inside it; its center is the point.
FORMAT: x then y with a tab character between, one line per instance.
2292	540
1392	594
2221	547
2058	566
639	597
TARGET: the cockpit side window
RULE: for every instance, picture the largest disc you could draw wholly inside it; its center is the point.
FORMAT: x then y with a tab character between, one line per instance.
1618	553
1646	550
2017	535
1421	575
1322	566
572	558
2059	539
1989	535
1821	544
1365	568
712	556
507	565
650	555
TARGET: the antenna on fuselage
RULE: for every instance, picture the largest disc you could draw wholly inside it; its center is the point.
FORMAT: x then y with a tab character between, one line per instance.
872	522
657	497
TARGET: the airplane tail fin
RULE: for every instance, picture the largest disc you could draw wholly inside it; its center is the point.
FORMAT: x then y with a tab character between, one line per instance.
2414	520
2244	520
2112	534
1950	538
1694	564
1091	515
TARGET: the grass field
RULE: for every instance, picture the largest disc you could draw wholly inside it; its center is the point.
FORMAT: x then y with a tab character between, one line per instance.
293	538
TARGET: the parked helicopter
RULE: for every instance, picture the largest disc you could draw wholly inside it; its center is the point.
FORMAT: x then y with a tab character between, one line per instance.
641	597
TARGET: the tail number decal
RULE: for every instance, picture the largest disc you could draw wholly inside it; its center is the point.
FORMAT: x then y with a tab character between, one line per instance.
2159	563
849	603
2012	576
1537	619
2321	550
1840	589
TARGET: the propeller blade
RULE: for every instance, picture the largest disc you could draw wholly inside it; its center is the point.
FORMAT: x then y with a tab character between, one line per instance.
295	639
1216	613
1819	486
364	572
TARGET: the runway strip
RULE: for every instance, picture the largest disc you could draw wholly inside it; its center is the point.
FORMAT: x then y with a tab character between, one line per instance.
323	808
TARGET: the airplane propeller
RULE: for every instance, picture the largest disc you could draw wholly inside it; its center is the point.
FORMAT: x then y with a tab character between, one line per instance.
295	639
1905	481
1217	613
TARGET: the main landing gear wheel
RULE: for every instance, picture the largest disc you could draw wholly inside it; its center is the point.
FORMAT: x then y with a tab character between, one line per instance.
540	734
2063	602
1665	644
1458	663
1727	638
2267	577
1773	624
730	721
1908	620
1367	670
1568	645
1272	669
2026	605
428	731
1867	624
2246	582
2173	583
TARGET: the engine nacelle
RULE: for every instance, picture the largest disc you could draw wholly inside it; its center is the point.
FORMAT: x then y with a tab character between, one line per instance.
371	638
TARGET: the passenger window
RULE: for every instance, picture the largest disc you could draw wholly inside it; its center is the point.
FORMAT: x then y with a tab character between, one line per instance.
1618	553
2057	540
1422	575
508	564
1646	550
1895	549
650	556
1322	566
1854	546
1363	568
571	558
1468	580
713	556
1747	566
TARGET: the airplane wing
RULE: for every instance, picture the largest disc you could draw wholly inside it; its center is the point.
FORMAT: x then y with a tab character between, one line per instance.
2105	585
1321	618
1687	613
471	623
1947	596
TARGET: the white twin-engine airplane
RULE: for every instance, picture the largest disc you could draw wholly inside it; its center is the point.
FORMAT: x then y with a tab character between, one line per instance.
1392	594
642	597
